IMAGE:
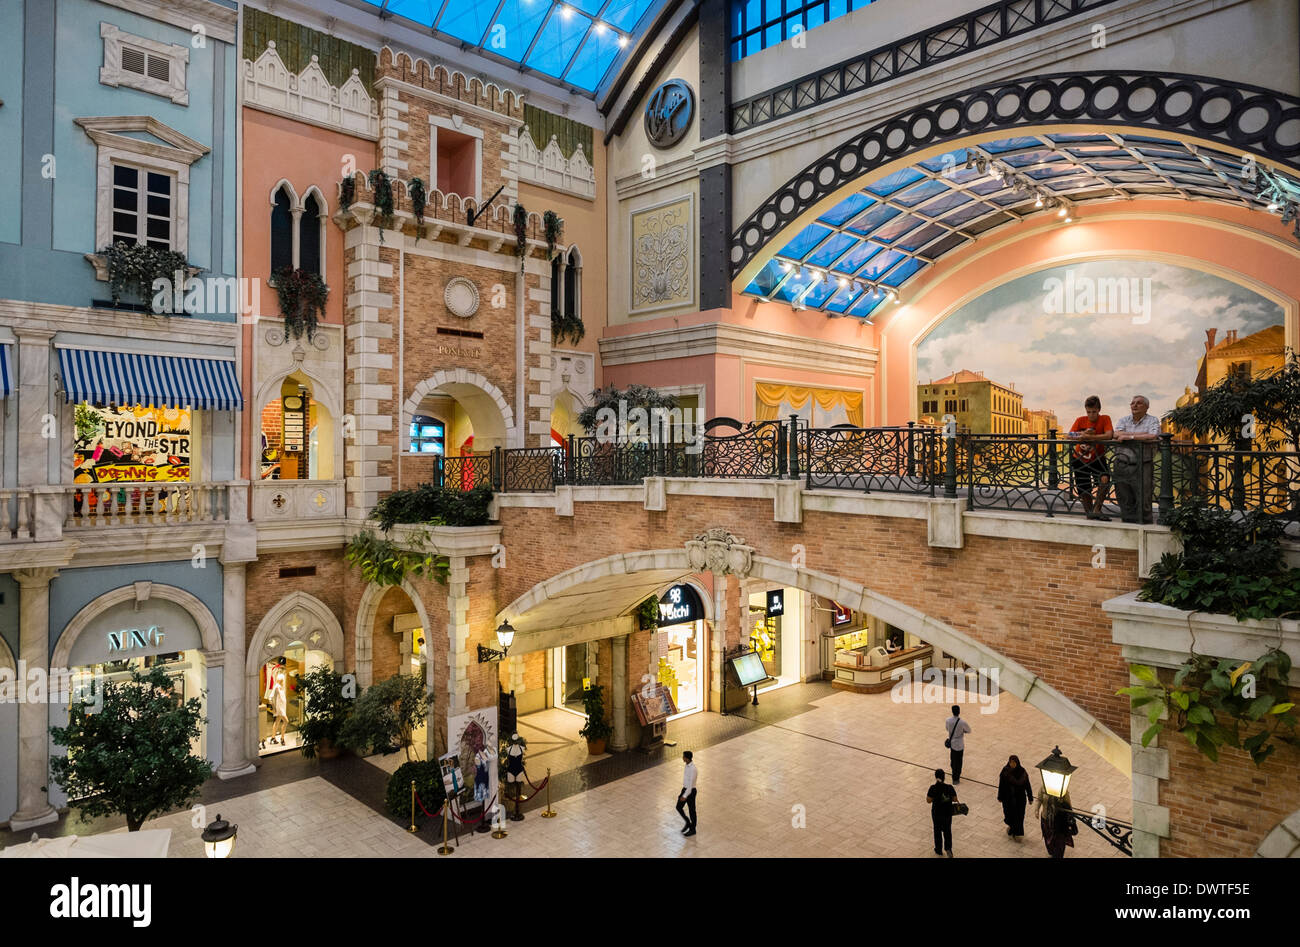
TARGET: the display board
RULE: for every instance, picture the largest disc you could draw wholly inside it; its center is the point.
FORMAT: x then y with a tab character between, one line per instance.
134	444
749	669
653	704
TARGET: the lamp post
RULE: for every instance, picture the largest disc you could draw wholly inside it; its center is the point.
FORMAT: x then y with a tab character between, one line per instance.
1055	772
219	838
505	637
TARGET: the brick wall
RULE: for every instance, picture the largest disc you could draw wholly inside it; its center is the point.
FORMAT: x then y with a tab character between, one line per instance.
265	588
1225	809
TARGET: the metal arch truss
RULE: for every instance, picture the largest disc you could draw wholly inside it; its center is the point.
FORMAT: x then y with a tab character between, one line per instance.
965	34
1248	118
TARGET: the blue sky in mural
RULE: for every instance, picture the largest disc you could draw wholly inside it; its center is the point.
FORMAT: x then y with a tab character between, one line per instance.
575	41
1017	334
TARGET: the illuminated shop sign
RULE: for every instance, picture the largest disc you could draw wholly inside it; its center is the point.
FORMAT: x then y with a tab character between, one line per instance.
840	615
668	113
679	605
133	639
776	603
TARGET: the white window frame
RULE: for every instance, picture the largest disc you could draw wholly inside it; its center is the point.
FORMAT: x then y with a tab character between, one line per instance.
173	156
436	122
142	210
112	73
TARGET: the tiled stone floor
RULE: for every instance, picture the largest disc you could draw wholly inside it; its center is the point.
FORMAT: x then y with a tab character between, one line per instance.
858	765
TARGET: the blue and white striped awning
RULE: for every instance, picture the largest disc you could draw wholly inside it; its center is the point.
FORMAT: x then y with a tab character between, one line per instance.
6	373
163	381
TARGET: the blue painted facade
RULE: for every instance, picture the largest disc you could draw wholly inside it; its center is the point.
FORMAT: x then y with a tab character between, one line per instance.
52	50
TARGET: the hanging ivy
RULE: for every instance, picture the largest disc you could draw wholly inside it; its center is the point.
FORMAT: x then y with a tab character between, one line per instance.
419	195
133	267
521	234
554	225
302	295
647	614
347	192
382	186
566	325
385	563
1212	703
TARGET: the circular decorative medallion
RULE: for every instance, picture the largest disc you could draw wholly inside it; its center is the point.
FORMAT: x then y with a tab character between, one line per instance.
461	297
669	112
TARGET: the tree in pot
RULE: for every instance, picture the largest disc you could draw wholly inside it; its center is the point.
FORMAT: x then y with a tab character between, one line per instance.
330	699
132	754
597	729
386	715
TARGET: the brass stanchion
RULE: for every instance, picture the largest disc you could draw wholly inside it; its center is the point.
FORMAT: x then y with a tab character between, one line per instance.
548	814
412	828
445	849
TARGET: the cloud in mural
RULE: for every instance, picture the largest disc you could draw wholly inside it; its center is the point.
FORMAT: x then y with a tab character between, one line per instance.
1056	359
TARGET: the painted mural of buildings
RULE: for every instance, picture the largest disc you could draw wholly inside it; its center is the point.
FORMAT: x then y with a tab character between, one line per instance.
980	405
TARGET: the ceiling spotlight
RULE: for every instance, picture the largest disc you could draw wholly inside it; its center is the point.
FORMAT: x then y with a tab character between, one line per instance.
622	41
893	294
1069	220
566	10
1062	212
843	282
600	28
785	267
1039	202
1273	207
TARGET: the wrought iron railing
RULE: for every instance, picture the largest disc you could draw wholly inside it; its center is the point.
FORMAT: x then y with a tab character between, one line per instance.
1026	473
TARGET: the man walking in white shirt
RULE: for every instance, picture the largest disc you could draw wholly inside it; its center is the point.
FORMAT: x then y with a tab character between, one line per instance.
1135	461
956	742
686	800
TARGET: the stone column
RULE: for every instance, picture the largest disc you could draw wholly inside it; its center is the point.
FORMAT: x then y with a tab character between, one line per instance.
33	719
234	738
37	454
619	686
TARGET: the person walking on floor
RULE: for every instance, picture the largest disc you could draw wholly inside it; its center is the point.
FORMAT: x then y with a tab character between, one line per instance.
686	800
1058	826
1015	793
956	742
941	797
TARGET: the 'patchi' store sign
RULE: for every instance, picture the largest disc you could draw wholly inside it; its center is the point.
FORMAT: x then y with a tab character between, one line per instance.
132	639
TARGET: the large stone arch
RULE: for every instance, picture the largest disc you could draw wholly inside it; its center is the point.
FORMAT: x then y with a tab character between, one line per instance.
209	630
663	566
483	401
1233	116
322	621
364	629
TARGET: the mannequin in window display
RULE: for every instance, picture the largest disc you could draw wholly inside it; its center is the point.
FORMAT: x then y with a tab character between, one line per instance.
277	697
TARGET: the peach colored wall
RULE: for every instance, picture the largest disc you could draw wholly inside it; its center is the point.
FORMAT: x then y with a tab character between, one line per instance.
584	226
275	149
1251	248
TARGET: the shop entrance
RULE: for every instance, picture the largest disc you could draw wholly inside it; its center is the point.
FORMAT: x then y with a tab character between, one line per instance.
573	669
682	645
776	630
282	704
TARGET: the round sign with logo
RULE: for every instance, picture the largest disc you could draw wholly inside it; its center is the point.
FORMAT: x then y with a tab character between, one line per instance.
669	113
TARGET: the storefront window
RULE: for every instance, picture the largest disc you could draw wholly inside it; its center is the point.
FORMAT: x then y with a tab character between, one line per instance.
135	444
428	435
775	631
291	436
574	668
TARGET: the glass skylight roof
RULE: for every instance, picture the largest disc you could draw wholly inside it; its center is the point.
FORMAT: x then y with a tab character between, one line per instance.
896	227
577	42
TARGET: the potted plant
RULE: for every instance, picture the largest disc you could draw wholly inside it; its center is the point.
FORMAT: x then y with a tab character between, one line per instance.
329	704
597	729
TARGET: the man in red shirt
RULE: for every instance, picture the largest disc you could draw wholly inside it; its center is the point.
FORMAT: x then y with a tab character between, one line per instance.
1088	459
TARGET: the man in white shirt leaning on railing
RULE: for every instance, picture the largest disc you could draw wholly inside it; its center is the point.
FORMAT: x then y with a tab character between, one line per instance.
1135	461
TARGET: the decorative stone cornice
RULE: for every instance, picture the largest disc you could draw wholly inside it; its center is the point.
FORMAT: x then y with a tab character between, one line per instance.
548	167
102	131
718	551
309	96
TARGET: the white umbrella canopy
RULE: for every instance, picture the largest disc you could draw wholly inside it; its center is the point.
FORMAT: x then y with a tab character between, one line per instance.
148	843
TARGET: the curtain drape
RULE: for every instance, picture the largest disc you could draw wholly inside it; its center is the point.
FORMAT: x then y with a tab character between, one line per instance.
770	398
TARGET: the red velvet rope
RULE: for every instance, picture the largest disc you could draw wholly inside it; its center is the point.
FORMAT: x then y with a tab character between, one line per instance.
486	809
431	815
537	789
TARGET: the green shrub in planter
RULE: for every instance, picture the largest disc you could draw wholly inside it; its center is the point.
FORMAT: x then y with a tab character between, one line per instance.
428	783
329	704
593	705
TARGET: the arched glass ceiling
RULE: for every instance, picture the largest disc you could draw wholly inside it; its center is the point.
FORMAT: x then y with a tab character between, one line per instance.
578	42
856	257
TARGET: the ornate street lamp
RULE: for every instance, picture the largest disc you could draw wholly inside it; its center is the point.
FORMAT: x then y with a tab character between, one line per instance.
505	637
1056	772
219	838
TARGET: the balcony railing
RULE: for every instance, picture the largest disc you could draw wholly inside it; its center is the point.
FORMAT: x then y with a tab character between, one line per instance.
1026	473
109	505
